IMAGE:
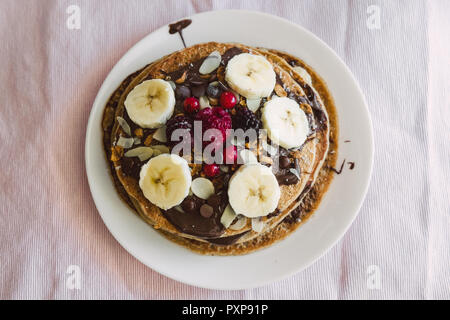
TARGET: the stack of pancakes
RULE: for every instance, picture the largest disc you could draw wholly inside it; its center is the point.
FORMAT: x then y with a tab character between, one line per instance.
208	235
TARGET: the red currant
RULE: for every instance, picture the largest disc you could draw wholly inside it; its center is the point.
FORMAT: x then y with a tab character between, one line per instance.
191	105
230	155
211	170
228	100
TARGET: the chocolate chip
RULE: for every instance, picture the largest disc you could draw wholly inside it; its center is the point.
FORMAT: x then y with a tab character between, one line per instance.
199	91
189	205
213	91
182	92
284	162
214	201
287	179
206	211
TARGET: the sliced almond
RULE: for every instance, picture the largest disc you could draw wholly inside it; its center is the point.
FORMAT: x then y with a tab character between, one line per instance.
125	142
143	153
179	209
161	148
247	157
204	102
137	140
239	224
228	216
124	125
269	148
253	104
211	63
295	172
160	134
257	225
202	188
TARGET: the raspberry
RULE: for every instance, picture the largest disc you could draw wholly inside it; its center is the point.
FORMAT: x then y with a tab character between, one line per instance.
177	122
191	105
246	119
230	155
211	170
215	118
228	100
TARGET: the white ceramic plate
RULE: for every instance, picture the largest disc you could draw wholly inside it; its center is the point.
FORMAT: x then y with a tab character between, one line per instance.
338	208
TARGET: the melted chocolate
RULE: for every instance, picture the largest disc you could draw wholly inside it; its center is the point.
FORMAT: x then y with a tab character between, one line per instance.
196	225
178	27
351	165
340	169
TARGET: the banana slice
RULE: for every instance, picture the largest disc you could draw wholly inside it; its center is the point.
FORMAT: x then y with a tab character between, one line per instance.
151	103
285	122
165	180
253	191
250	75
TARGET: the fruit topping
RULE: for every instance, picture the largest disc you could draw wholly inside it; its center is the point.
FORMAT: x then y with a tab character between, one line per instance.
215	118
191	105
245	119
228	100
230	155
211	170
177	122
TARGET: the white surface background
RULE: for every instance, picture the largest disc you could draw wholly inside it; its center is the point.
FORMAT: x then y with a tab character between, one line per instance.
51	76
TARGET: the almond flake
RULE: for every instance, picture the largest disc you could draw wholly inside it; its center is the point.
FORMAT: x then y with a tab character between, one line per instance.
211	63
257	225
247	157
295	172
204	102
228	216
160	134
125	142
124	125
253	104
161	148
143	153
239	224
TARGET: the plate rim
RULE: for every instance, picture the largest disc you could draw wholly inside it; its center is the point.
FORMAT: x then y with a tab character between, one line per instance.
319	253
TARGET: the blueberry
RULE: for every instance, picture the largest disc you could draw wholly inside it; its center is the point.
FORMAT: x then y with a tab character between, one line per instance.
182	92
213	91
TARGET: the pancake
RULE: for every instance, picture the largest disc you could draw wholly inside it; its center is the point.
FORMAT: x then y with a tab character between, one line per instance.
310	156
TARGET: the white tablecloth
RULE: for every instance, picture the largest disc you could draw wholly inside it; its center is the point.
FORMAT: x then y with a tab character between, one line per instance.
398	247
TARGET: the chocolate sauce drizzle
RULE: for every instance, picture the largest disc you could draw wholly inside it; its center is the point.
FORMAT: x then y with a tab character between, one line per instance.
178	27
340	169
